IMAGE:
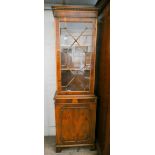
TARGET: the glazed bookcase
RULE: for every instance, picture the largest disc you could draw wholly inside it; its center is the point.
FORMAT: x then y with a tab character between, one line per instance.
75	102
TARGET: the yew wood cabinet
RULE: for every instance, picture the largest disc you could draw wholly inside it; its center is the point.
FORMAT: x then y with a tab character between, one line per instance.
75	102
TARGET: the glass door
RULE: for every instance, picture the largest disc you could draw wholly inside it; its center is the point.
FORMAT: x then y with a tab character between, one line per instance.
76	47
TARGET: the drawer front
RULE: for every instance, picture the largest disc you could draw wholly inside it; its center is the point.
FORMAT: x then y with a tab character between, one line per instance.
74	100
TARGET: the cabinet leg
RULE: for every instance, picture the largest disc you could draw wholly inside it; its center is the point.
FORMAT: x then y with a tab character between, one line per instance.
58	149
93	148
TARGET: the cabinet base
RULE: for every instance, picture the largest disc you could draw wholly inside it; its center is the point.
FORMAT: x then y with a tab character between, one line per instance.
60	147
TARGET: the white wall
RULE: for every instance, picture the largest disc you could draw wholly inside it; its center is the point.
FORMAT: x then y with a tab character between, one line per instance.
49	73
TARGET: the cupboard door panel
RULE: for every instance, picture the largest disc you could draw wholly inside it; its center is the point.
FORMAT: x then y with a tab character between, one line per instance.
75	124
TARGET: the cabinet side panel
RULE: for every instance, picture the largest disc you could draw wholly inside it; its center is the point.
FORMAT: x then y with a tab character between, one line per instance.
58	121
58	63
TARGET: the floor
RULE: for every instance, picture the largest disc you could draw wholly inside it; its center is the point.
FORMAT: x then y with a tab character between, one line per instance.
49	149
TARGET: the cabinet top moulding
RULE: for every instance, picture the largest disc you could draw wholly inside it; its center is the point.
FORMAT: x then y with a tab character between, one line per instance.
75	11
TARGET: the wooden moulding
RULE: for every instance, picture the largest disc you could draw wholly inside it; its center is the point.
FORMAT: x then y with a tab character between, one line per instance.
74	96
75	11
76	99
76	145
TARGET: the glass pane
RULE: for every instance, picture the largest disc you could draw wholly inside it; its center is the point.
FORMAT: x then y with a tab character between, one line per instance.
76	51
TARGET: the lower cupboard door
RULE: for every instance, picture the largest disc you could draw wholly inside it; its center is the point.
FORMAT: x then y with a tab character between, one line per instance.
75	124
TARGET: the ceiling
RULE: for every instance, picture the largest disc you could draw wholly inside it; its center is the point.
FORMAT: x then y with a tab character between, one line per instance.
48	3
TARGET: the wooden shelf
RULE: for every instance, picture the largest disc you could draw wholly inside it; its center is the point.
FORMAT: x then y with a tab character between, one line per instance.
75	69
